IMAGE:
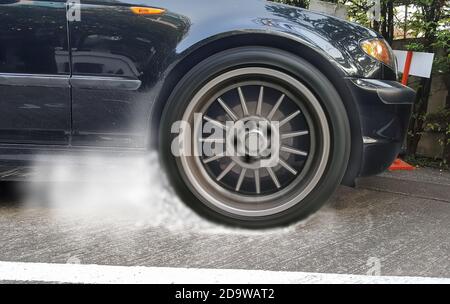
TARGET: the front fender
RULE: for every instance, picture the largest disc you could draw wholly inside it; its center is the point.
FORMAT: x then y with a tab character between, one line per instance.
335	39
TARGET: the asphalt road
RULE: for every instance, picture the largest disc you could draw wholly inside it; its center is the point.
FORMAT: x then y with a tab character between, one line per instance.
396	224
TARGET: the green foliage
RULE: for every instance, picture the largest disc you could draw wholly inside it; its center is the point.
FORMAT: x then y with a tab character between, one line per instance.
421	162
442	46
431	24
357	11
439	122
298	3
415	47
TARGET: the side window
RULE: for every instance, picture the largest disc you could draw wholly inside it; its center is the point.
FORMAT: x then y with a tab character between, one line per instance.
33	37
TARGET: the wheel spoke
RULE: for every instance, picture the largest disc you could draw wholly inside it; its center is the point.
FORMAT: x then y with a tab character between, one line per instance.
215	122
294	134
243	102
293	151
275	107
288	119
274	177
227	109
257	181
260	100
227	169
287	167
241	179
213	158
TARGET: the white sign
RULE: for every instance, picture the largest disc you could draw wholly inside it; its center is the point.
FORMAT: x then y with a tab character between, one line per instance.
421	64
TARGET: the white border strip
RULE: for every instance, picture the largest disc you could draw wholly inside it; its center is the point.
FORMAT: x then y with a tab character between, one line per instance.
99	274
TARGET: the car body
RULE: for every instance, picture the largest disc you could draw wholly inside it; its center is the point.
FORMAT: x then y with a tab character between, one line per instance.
96	76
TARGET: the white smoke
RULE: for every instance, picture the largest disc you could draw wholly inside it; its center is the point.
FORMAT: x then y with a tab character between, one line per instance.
113	190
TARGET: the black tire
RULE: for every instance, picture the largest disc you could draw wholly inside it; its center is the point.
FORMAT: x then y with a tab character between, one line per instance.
281	63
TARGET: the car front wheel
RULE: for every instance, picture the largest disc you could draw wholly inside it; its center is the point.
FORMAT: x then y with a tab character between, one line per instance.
264	138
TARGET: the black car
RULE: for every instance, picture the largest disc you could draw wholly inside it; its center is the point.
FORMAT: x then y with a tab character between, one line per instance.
311	101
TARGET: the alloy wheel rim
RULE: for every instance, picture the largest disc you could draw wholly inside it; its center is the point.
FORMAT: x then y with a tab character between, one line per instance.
240	184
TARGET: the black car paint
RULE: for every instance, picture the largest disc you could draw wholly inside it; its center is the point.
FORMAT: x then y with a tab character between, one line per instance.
384	108
102	82
33	41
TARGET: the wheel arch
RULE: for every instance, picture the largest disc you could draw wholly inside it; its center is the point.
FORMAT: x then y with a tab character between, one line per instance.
195	55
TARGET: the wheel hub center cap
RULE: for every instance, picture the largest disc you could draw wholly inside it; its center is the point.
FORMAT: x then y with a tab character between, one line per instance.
251	141
255	142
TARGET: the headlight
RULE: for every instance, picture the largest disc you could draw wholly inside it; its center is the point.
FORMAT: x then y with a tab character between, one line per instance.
380	50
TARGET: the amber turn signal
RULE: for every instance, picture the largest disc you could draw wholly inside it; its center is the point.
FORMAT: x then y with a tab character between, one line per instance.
380	50
138	10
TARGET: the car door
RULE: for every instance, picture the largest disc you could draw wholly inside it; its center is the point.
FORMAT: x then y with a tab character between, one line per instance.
34	73
118	55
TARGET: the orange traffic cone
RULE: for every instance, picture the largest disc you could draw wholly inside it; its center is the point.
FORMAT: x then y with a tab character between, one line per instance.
401	165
